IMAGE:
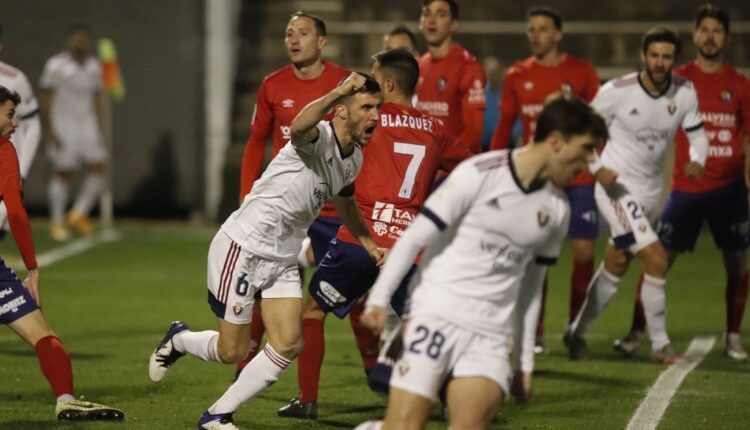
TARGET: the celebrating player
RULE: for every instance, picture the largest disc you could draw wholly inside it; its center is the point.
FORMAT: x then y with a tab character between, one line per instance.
451	80
19	302
489	230
401	161
26	138
71	119
254	253
527	85
643	110
720	195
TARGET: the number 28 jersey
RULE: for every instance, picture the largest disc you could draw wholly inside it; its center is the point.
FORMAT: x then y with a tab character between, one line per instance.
400	163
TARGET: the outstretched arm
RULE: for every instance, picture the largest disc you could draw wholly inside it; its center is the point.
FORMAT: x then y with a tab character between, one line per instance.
21	229
352	219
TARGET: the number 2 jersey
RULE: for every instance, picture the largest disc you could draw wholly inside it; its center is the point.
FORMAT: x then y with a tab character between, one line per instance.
400	162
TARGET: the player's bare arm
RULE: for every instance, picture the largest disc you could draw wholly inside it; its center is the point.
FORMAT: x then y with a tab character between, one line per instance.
352	219
45	104
303	127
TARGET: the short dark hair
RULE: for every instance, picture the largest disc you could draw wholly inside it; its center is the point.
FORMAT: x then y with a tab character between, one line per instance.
6	94
399	65
545	11
402	29
710	11
371	86
569	116
320	25
452	5
661	34
78	27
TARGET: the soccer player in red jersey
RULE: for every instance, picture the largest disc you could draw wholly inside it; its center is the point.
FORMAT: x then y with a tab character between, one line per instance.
400	165
451	80
19	302
720	195
282	95
527	84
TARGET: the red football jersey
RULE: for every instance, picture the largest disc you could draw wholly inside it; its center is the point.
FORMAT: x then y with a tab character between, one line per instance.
280	97
451	89
724	103
527	86
10	193
10	178
401	160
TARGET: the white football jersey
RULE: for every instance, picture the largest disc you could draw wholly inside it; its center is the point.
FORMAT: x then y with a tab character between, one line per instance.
27	111
642	128
74	87
493	229
273	219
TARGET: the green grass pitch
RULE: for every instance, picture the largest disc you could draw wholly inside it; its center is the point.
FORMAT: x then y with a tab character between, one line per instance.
112	304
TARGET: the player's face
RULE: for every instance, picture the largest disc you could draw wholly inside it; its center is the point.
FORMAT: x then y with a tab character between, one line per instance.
710	38
303	44
436	22
400	41
659	60
79	42
572	156
543	35
363	115
8	121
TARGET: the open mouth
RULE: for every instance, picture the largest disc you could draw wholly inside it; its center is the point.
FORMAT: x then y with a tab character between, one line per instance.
369	130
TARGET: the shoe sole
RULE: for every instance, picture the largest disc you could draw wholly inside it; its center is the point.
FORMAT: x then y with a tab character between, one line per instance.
97	415
153	364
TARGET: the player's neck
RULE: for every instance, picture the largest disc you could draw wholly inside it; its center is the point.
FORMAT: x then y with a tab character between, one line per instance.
80	57
550	59
651	86
343	136
397	98
529	163
441	50
709	65
307	71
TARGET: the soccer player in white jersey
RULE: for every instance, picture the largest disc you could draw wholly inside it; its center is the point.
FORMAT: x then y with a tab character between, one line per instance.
489	230
26	137
643	112
254	254
71	120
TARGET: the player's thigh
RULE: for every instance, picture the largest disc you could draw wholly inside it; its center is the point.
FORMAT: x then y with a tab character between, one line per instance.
282	318
473	402
31	327
406	410
342	277
584	215
234	340
728	217
681	221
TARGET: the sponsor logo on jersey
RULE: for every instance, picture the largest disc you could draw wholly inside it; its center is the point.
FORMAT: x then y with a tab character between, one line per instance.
442	83
504	251
476	92
5	292
720	119
671	107
380	228
435	108
726	96
542	216
288	103
528	85
531	109
720	151
388	213
651	137
13	305
322	194
286	132
330	294
405	120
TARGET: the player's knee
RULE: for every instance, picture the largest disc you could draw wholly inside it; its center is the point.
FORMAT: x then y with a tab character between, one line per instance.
232	354
656	261
583	250
311	309
290	349
616	262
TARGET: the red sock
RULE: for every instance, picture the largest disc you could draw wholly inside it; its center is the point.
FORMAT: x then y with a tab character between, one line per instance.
639	317
540	323
311	359
580	279
736	296
55	364
256	336
368	343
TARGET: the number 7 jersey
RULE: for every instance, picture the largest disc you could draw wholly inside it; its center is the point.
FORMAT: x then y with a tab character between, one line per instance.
400	163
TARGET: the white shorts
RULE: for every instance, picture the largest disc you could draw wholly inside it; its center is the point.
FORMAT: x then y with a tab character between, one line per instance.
433	348
236	278
78	146
631	219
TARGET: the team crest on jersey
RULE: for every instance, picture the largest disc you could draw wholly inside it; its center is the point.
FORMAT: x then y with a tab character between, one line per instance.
671	107
542	216
442	83
566	88
528	85
642	228
288	103
237	308
402	367
726	96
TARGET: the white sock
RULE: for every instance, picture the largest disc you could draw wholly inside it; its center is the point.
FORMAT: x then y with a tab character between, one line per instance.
90	190
654	300
258	375
202	344
58	199
601	291
66	398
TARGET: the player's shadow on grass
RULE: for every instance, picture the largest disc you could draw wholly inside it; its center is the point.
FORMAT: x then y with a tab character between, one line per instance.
76	356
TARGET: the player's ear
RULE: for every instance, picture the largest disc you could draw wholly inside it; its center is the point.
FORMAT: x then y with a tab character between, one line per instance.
556	141
322	40
454	25
341	111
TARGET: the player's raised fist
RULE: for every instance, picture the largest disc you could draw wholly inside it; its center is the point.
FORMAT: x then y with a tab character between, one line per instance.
353	83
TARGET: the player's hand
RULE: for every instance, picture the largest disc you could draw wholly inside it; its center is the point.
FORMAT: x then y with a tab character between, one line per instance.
605	176
380	255
693	170
374	319
353	83
32	284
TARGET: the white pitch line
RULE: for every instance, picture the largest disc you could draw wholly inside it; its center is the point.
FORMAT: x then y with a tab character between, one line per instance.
78	246
653	406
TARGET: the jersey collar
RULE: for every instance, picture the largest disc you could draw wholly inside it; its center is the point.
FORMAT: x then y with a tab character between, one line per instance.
664	91
516	179
338	144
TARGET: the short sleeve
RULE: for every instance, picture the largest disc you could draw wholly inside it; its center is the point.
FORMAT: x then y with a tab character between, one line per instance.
48	80
692	120
605	101
318	147
454	197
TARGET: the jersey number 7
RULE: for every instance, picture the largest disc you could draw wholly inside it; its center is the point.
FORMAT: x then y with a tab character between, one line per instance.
417	155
